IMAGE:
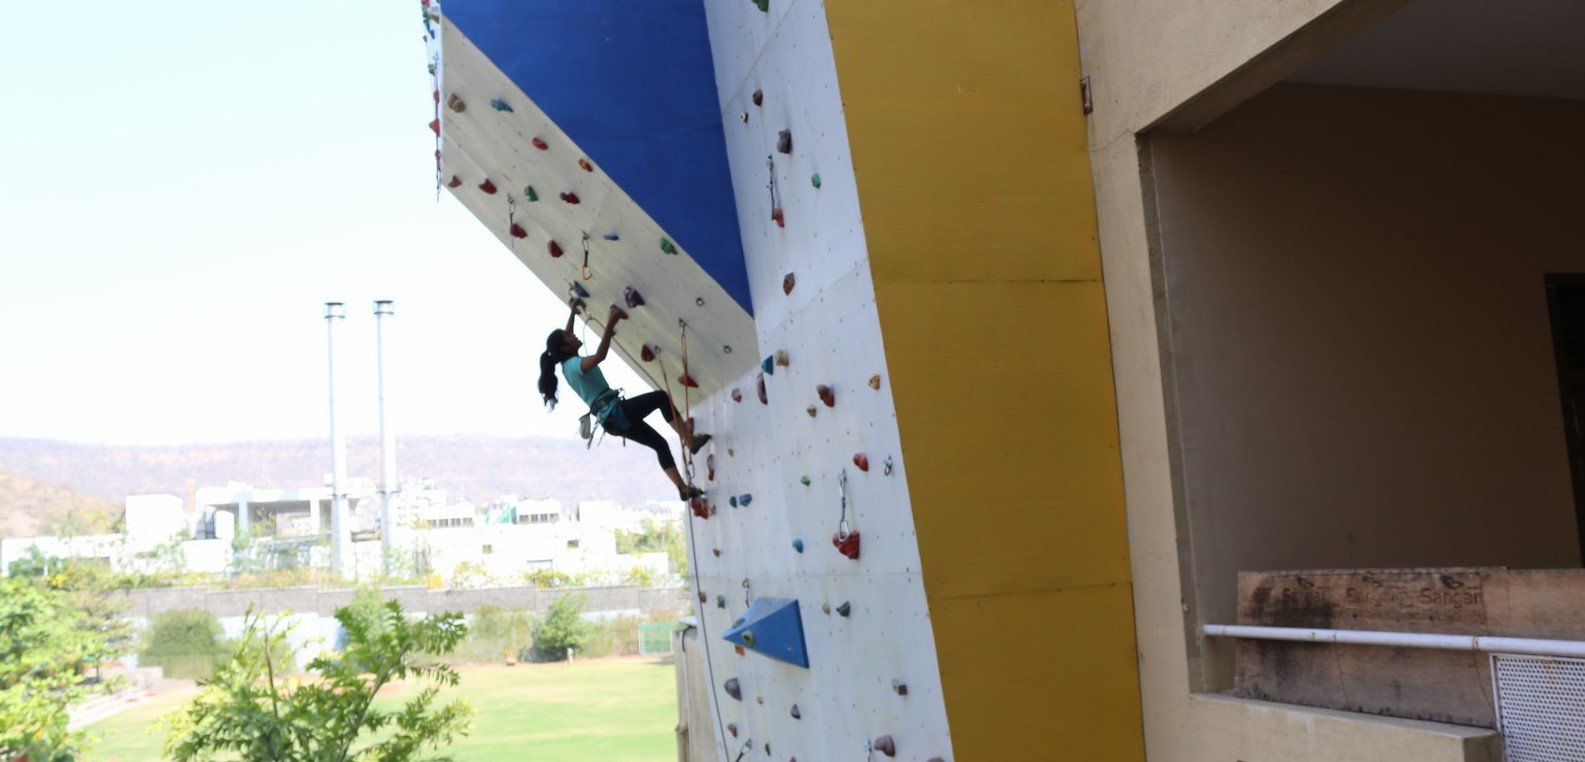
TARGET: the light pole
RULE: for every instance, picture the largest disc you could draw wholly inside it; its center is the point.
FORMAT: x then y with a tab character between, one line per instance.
340	529
388	486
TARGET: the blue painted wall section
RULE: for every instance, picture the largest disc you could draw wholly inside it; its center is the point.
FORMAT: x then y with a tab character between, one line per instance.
633	82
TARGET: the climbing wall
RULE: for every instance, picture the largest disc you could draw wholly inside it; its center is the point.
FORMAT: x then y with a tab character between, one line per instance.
815	414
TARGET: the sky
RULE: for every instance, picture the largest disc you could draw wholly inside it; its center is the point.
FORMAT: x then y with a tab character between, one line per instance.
190	181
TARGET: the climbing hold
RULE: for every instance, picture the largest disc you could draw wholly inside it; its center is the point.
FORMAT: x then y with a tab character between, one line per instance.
632	297
862	461
787	282
845	609
826	395
887	468
667	246
540	144
798	545
437	96
797	715
739	650
687	380
612	236
737	396
811	410
758	97
875	381
500	105
743	117
555	249
487	186
759	381
767	746
814	179
731	727
517	231
781	358
434	126
579	290
885	745
733	500
804	480
771	627
733	689
647	353
701	596
778	217
784	141
848	545
454	102
716	551
720	601
900	687
528	191
709	465
744	499
768	364
454	182
701	508
825	608
585	165
570	197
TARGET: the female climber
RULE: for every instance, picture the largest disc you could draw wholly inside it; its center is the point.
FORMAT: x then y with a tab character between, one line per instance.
624	418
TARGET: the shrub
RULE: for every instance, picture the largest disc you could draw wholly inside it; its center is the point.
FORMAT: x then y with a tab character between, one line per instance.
563	628
185	643
495	634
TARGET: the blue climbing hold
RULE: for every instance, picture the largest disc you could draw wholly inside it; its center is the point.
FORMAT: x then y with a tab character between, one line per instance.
798	545
772	627
612	236
500	105
769	365
744	499
733	501
577	288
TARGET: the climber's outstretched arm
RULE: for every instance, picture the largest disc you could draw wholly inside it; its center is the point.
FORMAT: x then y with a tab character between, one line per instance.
575	303
605	339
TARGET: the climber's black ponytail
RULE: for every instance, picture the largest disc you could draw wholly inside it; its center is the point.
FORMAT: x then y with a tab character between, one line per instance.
555	352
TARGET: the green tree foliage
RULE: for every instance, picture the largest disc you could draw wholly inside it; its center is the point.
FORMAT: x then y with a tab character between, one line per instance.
496	634
45	647
184	643
91	588
249	713
657	537
563	628
546	579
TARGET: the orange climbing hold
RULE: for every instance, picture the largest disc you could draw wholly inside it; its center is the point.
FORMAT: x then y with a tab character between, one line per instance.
778	217
487	186
826	395
584	163
847	545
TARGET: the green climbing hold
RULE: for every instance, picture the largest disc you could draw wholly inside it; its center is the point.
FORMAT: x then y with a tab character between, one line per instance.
798	545
667	246
528	193
720	601
814	179
804	481
763	5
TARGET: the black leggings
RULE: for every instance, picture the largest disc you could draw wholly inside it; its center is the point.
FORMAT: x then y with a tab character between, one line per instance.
638	431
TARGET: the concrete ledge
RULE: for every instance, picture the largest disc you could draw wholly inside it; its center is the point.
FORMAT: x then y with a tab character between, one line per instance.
1231	729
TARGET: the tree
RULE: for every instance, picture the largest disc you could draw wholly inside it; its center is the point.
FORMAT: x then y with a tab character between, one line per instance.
185	643
44	649
248	712
563	628
656	537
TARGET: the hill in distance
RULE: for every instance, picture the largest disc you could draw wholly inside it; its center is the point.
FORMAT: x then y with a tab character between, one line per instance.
40	478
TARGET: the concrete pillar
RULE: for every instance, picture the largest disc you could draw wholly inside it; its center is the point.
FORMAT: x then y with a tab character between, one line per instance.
313	516
243	520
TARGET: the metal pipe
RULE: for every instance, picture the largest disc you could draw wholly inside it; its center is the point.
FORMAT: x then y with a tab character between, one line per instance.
1427	640
340	527
382	309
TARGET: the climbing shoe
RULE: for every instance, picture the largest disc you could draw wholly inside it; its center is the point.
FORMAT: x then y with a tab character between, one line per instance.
698	442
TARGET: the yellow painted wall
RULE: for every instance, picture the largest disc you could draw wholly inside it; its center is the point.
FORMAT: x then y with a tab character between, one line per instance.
974	182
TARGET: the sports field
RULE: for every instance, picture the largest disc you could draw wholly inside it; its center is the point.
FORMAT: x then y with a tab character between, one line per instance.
616	710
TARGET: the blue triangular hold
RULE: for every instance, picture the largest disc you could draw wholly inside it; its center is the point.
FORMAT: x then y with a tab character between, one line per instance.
773	627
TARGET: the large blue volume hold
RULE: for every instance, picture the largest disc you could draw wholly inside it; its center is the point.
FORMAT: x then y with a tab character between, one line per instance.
632	82
772	627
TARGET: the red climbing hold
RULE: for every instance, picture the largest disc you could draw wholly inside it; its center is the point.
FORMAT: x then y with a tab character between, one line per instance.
885	745
687	380
784	141
571	198
437	96
847	546
778	217
555	249
700	507
434	126
716	551
454	182
787	282
827	396
633	298
709	465
540	144
737	395
518	231
731	727
760	383
647	354
487	186
862	461
733	689
701	596
759	97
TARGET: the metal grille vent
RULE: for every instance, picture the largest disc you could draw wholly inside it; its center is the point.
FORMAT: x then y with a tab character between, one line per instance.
1540	708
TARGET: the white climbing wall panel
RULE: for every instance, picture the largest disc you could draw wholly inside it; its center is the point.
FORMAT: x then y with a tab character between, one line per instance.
829	329
481	142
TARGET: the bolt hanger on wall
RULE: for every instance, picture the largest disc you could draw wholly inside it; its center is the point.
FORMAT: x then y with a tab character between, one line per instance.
585	272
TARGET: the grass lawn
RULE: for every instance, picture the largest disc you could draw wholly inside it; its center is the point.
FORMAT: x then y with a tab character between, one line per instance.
613	710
